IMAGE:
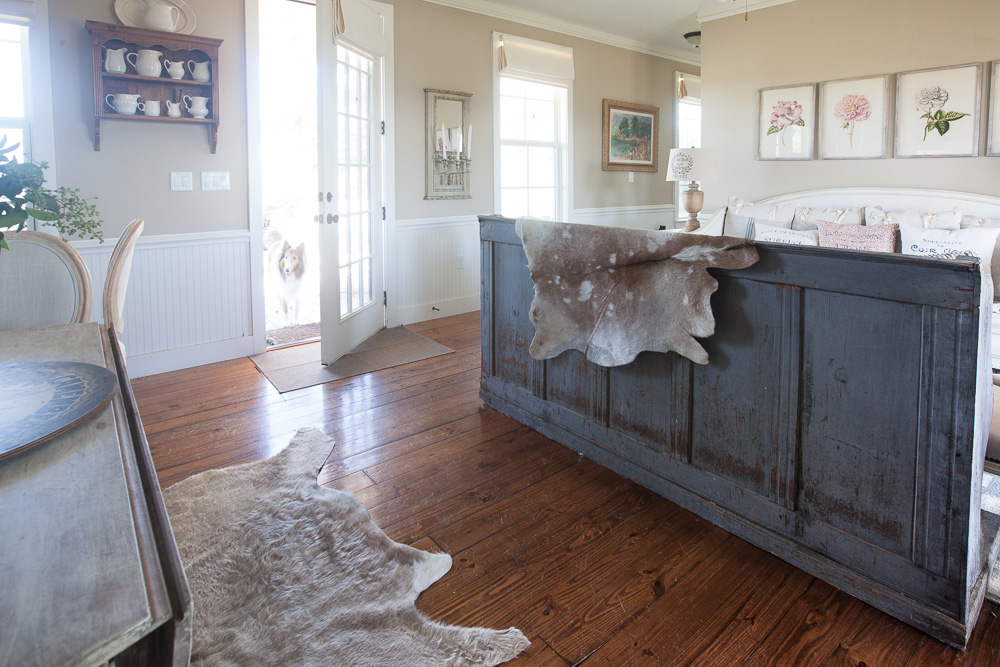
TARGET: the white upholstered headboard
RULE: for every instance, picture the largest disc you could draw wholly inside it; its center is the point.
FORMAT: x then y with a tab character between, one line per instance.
894	199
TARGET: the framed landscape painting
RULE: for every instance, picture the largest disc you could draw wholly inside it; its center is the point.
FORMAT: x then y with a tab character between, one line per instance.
993	136
786	123
631	137
937	112
854	118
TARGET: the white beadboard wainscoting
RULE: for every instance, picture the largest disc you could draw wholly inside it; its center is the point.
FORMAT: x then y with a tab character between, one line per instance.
188	300
432	285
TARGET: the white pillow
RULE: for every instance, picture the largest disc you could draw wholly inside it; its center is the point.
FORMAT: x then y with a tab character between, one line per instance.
973	221
948	244
741	217
771	234
915	218
806	218
713	226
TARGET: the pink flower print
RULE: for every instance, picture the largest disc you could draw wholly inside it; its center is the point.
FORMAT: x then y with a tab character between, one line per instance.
783	114
852	109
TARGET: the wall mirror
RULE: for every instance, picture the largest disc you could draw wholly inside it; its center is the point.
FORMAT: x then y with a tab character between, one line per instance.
449	145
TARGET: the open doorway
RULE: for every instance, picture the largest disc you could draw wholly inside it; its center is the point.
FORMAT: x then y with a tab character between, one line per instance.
289	171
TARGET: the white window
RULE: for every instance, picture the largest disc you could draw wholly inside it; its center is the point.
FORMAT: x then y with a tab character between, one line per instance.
15	77
26	99
533	93
688	123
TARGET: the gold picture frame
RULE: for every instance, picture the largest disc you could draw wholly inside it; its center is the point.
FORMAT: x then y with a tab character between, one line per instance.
631	137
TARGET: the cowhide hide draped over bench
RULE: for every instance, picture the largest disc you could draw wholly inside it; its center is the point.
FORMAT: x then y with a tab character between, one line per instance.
613	293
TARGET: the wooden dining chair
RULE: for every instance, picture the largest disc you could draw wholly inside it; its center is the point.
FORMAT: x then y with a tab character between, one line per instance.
43	281
116	282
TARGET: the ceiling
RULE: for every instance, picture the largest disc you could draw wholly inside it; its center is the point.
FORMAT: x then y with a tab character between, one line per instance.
649	26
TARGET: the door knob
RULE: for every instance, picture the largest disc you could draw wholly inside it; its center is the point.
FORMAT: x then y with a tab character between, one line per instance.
317	219
330	217
329	196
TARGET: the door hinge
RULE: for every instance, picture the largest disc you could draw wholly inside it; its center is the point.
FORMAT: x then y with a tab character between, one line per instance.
385	299
383	212
383	127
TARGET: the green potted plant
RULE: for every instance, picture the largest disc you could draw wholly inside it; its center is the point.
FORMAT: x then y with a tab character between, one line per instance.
23	195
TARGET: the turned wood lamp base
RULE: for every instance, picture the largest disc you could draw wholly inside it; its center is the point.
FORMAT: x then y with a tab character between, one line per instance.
693	199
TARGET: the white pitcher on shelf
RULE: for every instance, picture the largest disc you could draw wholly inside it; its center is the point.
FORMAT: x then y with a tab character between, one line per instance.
199	71
114	60
196	106
159	16
146	62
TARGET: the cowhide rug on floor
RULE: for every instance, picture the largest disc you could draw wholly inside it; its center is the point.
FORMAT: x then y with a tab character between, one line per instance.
284	572
613	293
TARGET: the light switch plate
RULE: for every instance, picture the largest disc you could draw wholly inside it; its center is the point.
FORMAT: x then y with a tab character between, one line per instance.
181	181
214	180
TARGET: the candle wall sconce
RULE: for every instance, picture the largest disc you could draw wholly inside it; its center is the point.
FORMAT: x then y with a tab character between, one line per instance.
449	145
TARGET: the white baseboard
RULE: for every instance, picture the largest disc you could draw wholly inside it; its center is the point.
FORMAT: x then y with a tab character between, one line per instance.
432	311
153	363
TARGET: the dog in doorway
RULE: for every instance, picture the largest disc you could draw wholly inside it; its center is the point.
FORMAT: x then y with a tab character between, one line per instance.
286	265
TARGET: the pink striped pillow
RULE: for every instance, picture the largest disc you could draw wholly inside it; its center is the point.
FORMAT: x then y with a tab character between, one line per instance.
880	238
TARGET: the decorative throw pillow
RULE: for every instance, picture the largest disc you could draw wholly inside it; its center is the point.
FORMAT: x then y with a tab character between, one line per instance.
977	242
973	221
914	218
806	218
713	227
881	238
771	234
741	217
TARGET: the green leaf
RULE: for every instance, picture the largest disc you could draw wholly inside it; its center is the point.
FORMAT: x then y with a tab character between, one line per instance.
942	126
800	123
930	125
40	214
774	129
15	217
3	244
953	115
939	114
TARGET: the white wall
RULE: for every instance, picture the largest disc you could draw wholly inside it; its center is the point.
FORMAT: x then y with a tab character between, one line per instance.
809	41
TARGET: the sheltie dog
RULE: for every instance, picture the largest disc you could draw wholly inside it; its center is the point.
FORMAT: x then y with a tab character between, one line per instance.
286	264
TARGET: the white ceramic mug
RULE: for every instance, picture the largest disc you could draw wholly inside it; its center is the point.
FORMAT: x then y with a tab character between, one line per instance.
196	106
175	68
123	103
173	109
150	108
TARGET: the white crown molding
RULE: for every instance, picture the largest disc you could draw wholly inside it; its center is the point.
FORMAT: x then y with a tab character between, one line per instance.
537	20
710	11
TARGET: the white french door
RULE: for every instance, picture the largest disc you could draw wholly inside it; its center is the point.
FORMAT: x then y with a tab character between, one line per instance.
351	170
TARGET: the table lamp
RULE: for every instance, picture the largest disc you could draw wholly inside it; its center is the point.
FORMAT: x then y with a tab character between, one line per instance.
692	164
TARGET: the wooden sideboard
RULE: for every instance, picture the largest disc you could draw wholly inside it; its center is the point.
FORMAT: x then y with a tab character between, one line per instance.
89	570
840	423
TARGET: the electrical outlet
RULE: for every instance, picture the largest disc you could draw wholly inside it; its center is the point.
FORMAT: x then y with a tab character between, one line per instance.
214	180
631	177
181	181
459	262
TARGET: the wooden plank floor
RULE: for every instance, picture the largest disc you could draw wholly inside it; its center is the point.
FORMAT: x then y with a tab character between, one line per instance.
593	568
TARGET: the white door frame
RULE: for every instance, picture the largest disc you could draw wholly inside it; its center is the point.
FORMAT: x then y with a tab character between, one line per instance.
254	206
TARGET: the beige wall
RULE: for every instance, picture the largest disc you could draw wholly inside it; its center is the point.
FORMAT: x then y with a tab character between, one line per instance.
464	61
810	41
130	174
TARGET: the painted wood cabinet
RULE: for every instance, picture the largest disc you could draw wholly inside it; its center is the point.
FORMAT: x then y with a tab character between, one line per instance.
840	423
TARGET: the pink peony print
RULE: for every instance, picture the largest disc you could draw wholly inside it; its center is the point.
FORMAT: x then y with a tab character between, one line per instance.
783	114
852	109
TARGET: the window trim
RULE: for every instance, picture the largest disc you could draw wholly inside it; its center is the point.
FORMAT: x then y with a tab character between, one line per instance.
680	215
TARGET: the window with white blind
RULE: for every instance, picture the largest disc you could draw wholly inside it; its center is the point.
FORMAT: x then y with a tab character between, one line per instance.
533	93
14	73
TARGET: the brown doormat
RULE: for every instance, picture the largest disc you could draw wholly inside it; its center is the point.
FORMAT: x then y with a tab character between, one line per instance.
292	368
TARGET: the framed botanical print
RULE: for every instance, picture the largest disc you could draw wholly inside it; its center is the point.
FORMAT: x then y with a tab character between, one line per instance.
786	123
631	137
854	118
993	134
937	112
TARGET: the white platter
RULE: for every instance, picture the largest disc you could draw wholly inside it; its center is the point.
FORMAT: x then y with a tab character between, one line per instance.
130	13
